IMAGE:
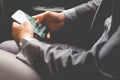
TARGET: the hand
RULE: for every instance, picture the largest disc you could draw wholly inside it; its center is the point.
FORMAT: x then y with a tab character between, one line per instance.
53	20
21	31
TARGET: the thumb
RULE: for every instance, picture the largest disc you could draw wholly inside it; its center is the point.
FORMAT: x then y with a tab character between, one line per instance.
27	24
39	18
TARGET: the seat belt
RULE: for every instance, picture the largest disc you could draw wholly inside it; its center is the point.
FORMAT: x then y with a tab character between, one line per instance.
114	26
97	25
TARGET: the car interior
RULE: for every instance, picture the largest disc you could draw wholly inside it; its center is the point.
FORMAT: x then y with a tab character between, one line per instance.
33	7
12	68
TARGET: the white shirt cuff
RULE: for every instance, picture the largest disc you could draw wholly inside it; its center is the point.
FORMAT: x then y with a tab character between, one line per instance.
70	14
25	40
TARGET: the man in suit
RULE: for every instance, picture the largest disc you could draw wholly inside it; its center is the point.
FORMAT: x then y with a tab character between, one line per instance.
63	62
71	15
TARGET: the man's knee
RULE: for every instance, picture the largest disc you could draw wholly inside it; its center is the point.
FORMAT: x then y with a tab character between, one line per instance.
13	69
9	46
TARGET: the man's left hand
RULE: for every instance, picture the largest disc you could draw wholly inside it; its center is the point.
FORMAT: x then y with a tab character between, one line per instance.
20	31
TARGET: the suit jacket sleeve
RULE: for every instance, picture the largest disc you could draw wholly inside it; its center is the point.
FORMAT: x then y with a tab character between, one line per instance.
53	57
74	13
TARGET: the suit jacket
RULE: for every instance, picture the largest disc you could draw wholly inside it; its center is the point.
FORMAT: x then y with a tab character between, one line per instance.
65	62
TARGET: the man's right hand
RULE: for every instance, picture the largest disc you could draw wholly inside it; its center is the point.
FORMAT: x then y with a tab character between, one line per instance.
53	20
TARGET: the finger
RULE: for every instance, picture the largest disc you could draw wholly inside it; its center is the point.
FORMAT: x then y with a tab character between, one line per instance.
15	24
40	17
37	18
48	35
26	23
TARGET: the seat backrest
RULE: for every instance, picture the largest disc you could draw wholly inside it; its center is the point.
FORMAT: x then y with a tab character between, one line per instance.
1	19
